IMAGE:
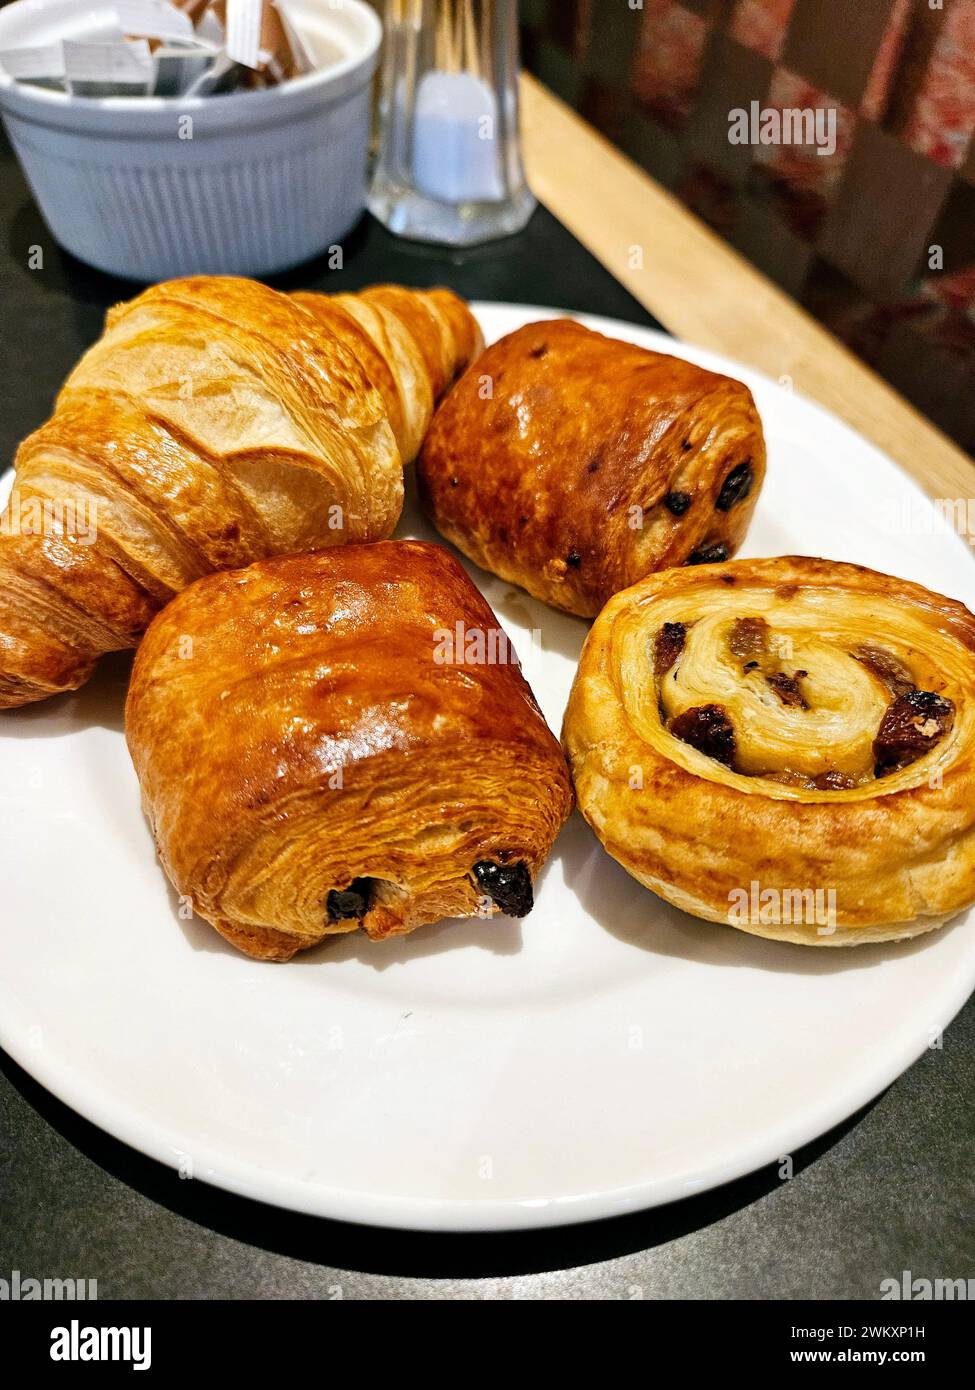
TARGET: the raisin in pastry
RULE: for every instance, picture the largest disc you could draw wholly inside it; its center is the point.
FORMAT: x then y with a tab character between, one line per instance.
574	464
318	751
786	745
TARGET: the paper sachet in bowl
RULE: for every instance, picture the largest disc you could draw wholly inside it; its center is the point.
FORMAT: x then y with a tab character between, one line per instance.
168	48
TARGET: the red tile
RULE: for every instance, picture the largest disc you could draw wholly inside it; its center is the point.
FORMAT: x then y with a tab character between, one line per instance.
968	168
803	182
761	25
668	62
956	294
941	123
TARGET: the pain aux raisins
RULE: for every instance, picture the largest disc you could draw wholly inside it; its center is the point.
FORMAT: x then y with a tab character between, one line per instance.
708	729
509	886
736	486
344	903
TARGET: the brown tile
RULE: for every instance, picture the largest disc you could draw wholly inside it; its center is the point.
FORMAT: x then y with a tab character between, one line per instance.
922	34
762	236
954	231
800	207
731	77
714	198
870	326
834	45
529	45
654	147
886	205
885	75
567	23
844	308
614	37
941	383
715	11
532	12
556	69
604	107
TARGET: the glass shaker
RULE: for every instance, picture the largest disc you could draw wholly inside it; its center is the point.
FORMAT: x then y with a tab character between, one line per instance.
449	165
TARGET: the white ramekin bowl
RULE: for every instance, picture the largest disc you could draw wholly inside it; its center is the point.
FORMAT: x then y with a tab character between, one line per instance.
265	180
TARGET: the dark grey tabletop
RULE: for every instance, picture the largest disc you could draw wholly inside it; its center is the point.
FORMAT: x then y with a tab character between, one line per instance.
889	1191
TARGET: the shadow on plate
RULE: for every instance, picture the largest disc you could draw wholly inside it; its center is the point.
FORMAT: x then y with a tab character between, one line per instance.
613	900
99	703
377	1251
502	936
635	915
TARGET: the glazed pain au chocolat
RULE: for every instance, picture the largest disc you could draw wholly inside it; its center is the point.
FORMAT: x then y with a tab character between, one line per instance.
310	763
574	464
793	724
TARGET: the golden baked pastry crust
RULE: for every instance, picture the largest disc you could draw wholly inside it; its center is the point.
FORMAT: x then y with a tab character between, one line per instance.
574	464
296	728
215	422
843	646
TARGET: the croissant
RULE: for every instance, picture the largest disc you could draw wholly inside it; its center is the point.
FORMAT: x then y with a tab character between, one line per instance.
341	739
215	422
573	464
787	745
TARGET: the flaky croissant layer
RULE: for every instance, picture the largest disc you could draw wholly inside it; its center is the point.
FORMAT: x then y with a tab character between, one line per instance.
786	745
315	756
215	422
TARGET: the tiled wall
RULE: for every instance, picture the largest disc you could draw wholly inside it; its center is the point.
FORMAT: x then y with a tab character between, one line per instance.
854	236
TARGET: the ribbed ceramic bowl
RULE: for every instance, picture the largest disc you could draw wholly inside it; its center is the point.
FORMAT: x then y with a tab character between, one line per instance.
247	183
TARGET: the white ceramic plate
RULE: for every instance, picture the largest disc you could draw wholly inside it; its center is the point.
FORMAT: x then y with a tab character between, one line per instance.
606	1054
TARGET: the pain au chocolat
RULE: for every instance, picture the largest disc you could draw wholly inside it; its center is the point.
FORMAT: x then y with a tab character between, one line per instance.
787	745
574	464
317	752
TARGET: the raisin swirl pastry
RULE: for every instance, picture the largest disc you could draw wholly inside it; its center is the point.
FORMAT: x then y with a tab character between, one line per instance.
318	753
574	464
747	736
